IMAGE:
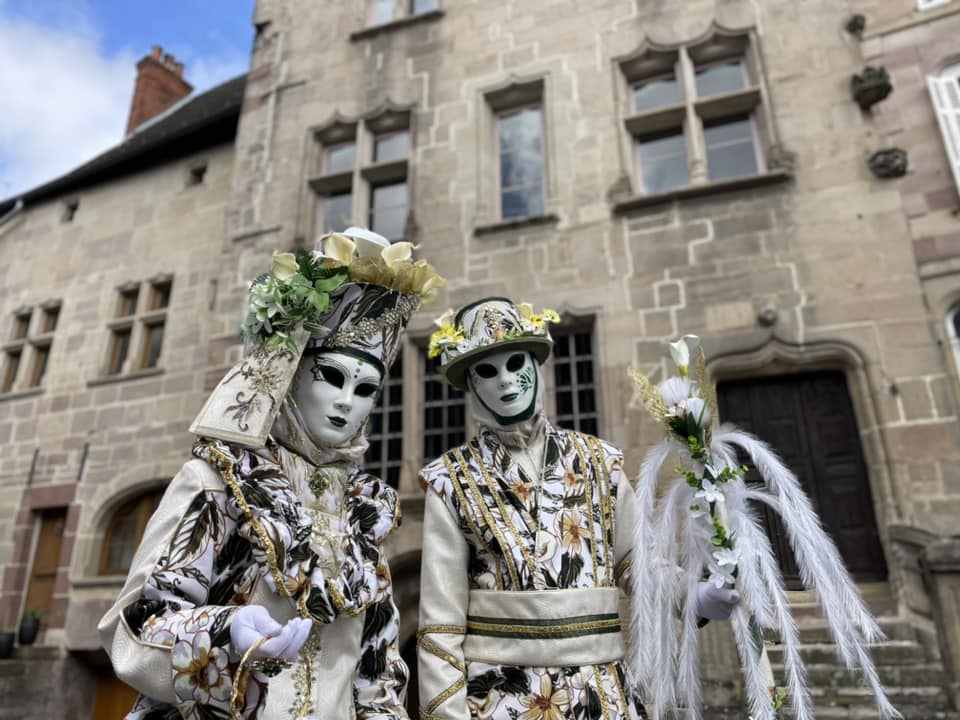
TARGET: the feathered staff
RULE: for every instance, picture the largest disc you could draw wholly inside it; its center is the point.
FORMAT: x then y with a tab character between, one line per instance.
702	525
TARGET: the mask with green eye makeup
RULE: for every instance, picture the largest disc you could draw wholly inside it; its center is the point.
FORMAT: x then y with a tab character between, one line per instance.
335	393
506	383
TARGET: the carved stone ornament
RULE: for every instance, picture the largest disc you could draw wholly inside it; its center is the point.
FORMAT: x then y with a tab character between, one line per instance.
856	25
870	87
888	163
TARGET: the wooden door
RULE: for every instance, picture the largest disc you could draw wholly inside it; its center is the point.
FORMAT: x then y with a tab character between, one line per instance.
46	562
114	699
808	420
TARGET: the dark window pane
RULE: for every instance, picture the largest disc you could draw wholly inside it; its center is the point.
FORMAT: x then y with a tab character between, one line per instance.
586	401
396	422
521	130
382	11
396	394
432	446
421	6
582	343
41	356
565	403
375	451
663	163
567	423
434	418
656	94
562	348
336	211
455	415
388	210
340	158
395	449
128	303
395	146
520	169
584	372
121	540
730	149
561	374
20	326
10	371
118	350
521	203
376	423
153	345
722	78
50	318
159	296
432	391
456	438
589	426
393	477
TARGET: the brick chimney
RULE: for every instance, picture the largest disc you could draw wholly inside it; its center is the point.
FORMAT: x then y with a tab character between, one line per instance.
159	85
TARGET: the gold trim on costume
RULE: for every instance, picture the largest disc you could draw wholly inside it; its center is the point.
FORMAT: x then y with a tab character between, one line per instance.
612	670
468	517
506	519
596	451
509	559
601	692
588	501
623	566
507	629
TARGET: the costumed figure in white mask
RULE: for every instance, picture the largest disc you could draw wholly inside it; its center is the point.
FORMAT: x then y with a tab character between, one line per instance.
260	589
527	534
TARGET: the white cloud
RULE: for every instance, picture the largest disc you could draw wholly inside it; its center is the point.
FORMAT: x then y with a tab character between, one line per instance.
64	101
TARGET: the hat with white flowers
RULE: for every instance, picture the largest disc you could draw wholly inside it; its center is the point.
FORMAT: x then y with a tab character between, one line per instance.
354	294
488	326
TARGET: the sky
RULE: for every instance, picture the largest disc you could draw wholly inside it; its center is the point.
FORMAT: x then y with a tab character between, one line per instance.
67	69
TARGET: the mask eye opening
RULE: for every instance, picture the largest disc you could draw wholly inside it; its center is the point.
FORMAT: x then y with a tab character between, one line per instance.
365	390
516	362
329	374
485	370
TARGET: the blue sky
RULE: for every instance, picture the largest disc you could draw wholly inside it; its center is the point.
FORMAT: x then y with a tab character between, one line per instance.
68	71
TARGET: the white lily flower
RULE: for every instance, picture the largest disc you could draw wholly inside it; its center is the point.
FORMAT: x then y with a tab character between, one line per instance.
674	390
397	253
698	409
284	265
445	319
340	248
711	492
681	350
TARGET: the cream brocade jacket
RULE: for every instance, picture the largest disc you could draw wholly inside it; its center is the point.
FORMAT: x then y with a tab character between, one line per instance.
519	601
202	556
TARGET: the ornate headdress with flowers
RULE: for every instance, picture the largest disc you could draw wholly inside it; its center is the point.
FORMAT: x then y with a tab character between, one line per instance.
489	325
355	294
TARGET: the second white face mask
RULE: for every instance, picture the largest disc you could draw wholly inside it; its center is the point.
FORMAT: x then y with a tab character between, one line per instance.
335	393
506	384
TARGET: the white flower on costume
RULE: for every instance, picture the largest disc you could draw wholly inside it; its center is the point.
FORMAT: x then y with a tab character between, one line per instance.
699	410
711	492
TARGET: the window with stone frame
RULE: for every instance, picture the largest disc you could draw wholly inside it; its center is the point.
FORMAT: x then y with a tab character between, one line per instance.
384	457
124	531
518	151
361	175
27	353
945	95
697	114
444	411
139	321
382	12
575	391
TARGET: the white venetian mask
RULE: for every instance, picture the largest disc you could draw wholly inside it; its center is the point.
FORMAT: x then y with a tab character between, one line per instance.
506	384
335	393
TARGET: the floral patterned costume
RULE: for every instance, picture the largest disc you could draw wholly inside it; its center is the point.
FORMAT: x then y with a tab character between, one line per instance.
203	555
519	582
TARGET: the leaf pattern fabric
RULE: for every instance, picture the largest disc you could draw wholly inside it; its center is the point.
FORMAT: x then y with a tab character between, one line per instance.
525	533
216	557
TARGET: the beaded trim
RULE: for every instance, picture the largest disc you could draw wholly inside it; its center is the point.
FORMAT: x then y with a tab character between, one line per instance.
366	327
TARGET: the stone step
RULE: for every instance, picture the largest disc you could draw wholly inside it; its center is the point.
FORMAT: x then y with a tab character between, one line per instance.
892	652
930	697
819	632
866	713
832	675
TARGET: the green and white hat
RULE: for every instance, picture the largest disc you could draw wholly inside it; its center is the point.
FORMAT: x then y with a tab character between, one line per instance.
488	326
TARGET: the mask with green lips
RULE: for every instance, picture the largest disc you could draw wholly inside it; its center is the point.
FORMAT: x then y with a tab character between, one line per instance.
506	384
335	393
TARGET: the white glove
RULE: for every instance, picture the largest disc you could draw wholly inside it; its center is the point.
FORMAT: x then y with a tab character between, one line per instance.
251	623
715	603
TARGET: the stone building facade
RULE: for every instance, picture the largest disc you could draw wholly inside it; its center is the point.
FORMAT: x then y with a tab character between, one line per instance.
647	169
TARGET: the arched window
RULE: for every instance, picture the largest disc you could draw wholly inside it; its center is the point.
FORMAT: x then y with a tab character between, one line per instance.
124	531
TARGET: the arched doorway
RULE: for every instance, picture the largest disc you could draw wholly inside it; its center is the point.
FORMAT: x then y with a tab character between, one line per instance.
809	420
